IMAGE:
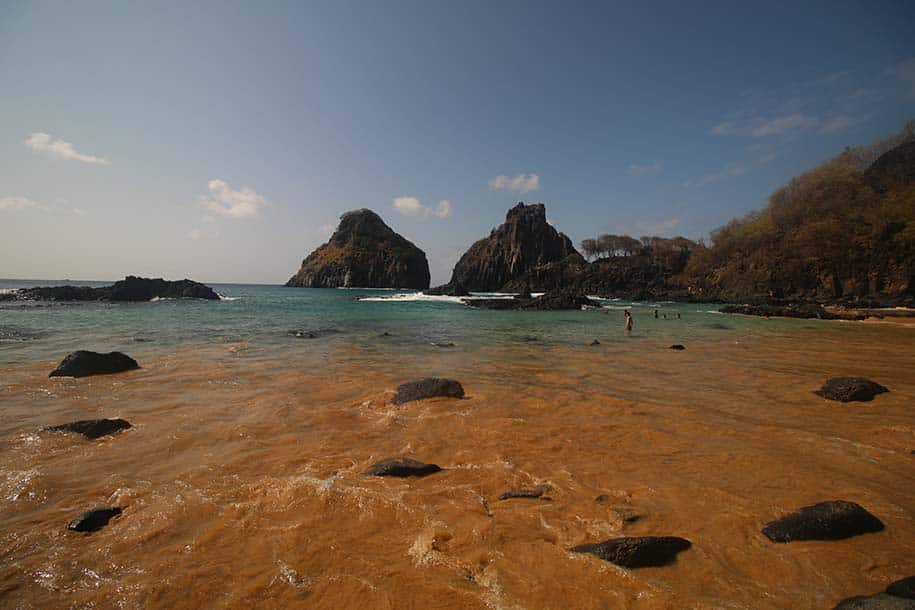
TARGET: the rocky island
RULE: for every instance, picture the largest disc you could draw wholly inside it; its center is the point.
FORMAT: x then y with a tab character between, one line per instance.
130	289
364	252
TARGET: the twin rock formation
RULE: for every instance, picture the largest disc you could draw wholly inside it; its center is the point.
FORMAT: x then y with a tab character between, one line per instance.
364	252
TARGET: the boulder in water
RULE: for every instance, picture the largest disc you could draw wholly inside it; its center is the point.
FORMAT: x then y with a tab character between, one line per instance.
678	347
93	520
83	363
637	551
401	467
848	389
833	520
92	428
428	387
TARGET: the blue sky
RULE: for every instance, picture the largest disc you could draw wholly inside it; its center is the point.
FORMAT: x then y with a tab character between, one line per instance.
222	141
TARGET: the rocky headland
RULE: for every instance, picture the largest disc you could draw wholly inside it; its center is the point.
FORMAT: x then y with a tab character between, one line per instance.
364	252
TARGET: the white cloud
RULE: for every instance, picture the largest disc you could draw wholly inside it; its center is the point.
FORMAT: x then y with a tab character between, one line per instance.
43	143
411	206
522	183
79	211
224	201
194	234
18	203
784	123
650	169
326	230
905	71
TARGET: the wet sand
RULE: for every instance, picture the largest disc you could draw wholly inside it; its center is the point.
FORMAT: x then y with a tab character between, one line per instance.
241	480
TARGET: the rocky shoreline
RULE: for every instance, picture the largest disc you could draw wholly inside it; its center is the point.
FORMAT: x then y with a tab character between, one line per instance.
130	289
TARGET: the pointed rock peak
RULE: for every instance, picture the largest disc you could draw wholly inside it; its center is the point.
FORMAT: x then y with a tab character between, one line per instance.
364	252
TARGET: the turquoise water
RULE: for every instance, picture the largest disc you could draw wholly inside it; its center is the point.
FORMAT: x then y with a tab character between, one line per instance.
279	317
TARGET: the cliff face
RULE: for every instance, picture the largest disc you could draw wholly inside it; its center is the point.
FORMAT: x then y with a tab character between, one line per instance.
522	243
364	252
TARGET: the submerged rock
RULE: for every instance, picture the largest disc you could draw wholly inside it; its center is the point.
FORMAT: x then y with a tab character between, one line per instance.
364	252
533	493
677	347
595	342
92	428
401	467
93	520
428	387
638	551
83	363
848	389
833	520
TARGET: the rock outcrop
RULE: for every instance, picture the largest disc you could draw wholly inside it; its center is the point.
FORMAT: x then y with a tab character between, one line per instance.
130	289
552	300
84	363
522	243
834	520
401	467
92	428
637	552
848	389
428	387
364	252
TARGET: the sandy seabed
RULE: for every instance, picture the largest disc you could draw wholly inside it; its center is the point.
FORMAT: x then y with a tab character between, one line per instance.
242	486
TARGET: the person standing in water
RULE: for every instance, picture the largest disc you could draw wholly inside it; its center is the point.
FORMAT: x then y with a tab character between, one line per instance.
628	321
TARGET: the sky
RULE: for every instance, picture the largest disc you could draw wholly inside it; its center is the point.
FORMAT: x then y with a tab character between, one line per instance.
222	141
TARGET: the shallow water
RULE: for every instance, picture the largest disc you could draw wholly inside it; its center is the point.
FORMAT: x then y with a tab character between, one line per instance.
241	480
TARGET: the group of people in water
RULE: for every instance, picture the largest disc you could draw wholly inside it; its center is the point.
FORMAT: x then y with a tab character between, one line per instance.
655	313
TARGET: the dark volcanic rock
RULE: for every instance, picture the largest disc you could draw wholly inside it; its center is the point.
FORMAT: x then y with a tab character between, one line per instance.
834	520
904	587
595	342
402	467
848	389
524	241
451	289
533	493
92	428
677	347
94	519
880	601
134	288
548	301
637	552
129	289
428	387
364	252
84	363
803	311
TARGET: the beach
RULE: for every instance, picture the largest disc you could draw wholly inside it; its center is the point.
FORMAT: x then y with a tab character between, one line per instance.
241	480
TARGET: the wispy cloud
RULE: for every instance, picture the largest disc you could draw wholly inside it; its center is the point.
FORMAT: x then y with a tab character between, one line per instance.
649	169
44	143
193	234
522	183
17	203
12	204
729	171
839	122
411	206
661	226
784	123
225	201
904	71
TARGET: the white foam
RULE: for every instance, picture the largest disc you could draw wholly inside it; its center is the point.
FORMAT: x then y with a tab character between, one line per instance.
223	297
